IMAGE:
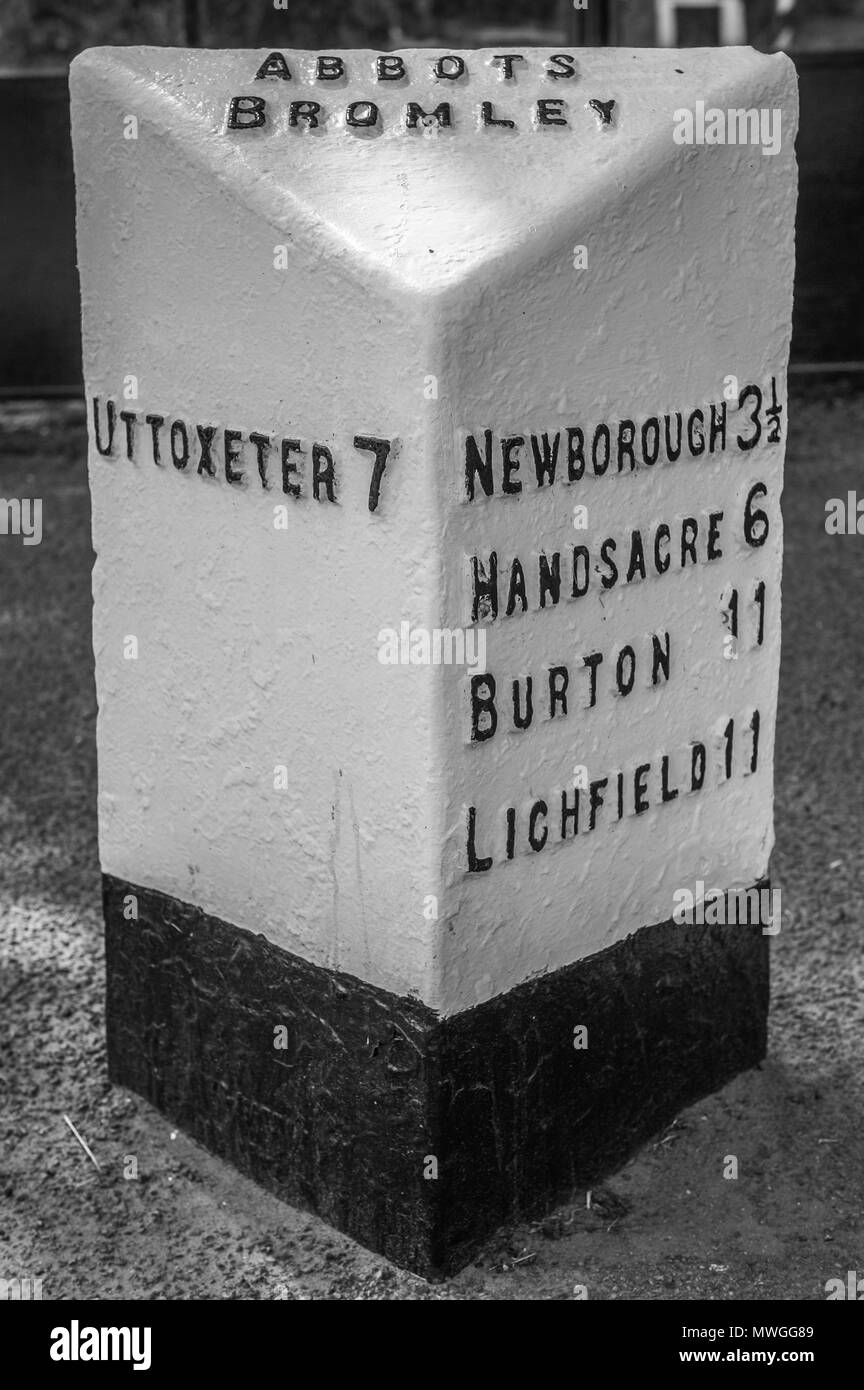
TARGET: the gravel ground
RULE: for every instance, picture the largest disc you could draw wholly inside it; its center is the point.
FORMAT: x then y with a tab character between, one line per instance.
668	1226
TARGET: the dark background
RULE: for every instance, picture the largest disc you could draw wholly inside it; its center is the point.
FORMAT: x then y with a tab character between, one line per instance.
40	349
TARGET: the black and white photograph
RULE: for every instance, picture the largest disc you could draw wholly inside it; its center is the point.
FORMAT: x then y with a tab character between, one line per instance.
431	557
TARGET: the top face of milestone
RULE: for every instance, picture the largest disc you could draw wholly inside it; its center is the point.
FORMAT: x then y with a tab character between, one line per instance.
508	92
483	144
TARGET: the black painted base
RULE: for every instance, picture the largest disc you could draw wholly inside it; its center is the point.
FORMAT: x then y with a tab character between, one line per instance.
345	1118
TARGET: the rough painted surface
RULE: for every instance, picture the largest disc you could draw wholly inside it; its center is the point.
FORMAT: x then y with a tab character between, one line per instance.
689	283
344	1118
337	1120
410	258
257	646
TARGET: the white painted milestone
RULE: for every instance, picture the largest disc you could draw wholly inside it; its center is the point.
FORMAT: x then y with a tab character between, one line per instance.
437	417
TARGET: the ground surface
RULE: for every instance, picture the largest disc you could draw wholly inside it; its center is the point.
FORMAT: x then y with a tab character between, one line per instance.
666	1227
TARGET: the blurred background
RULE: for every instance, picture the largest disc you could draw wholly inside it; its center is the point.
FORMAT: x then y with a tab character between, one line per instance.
40	351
